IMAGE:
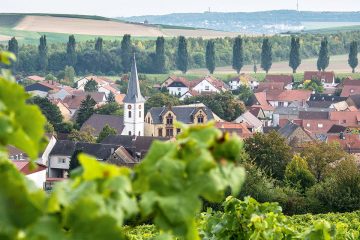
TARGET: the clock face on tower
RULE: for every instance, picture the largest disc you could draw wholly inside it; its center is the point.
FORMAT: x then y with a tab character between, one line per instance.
129	106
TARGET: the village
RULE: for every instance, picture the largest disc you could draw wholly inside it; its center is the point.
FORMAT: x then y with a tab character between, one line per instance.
278	104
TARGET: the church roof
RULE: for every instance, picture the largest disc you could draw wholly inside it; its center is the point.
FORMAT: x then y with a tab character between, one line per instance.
133	94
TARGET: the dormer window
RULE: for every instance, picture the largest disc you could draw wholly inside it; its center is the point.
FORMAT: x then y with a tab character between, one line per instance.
200	118
169	119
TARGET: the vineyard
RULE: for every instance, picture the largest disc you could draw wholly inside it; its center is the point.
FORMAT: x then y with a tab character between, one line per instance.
168	189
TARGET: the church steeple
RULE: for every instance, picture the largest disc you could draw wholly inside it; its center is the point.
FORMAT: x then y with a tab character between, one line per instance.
133	94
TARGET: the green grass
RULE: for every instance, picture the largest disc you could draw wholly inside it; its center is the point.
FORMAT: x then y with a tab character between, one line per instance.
334	30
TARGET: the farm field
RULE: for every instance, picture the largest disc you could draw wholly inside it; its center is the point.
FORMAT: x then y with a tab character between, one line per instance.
338	63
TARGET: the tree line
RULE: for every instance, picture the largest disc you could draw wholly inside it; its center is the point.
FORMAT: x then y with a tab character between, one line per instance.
113	57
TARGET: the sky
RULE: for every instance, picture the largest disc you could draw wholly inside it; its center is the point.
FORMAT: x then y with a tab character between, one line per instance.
125	8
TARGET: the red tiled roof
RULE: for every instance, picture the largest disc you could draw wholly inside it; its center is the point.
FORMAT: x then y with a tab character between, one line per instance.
345	118
285	79
266	86
35	78
24	167
350	141
220	85
239	128
288	95
261	98
74	101
181	80
321	126
351	87
327	76
99	80
243	76
119	98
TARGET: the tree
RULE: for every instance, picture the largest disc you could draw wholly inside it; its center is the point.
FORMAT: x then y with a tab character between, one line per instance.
105	132
111	98
161	99
323	60
224	105
295	60
71	57
110	109
266	55
91	86
270	152
353	56
297	173
50	77
69	75
182	55
87	108
210	56
51	111
74	161
43	51
320	154
126	52
245	94
160	58
85	135
99	45
13	47
238	54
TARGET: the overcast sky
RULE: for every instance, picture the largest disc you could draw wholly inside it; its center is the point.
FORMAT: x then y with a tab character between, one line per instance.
117	8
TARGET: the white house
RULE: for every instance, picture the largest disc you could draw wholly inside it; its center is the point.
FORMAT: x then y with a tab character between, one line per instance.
253	122
326	78
37	176
179	86
243	79
209	84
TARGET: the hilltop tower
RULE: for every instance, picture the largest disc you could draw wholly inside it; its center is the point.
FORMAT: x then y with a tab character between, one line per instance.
134	106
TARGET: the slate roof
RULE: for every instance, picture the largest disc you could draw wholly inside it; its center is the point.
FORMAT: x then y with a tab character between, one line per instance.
122	157
98	150
288	129
98	122
133	94
43	86
63	148
313	115
319	104
269	129
354	100
183	114
336	129
287	111
326	97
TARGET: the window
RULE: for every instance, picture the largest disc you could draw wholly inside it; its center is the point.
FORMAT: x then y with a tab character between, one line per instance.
129	133
320	125
179	89
178	130
169	119
207	88
200	118
139	114
343	121
169	132
139	133
308	125
281	104
160	132
129	114
61	160
351	90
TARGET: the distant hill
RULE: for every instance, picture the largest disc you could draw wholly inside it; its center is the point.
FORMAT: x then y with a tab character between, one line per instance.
267	22
28	28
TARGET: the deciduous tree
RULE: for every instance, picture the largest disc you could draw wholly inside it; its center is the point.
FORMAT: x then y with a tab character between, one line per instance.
105	132
297	173
91	86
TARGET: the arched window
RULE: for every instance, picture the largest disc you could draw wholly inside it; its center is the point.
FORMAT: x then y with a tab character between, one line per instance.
169	119
129	114
200	118
139	114
129	133
139	133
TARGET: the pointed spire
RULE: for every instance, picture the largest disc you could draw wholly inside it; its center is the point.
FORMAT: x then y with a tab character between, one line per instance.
133	94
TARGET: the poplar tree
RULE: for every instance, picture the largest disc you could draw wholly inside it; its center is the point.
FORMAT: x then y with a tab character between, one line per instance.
160	55
99	45
238	54
353	56
13	47
295	60
323	60
71	51
210	56
266	55
182	55
43	51
126	53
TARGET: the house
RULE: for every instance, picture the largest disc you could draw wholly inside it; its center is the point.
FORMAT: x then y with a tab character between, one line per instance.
62	92
286	80
243	79
240	129
179	86
37	175
349	142
159	121
253	122
354	101
316	122
110	88
268	86
284	98
282	115
121	157
326	78
101	81
209	84
42	89
261	113
323	100
35	78
64	109
347	119
189	93
167	82
74	101
350	87
295	135
99	121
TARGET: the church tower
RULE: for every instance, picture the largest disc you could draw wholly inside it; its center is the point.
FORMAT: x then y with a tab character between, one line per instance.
134	106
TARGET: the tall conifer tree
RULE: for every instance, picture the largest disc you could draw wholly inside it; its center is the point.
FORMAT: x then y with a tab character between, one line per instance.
99	45
126	53
210	56
160	55
238	54
295	60
43	51
182	55
266	55
353	56
14	48
71	51
323	60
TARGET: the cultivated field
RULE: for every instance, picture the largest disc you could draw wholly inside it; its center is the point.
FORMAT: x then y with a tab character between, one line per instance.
338	63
